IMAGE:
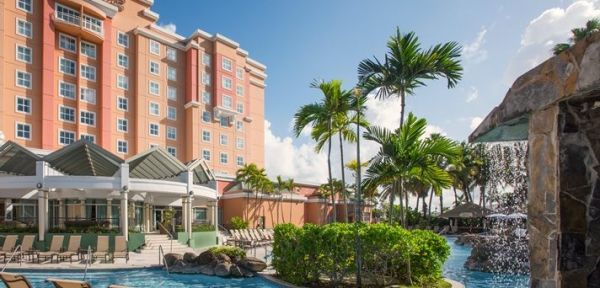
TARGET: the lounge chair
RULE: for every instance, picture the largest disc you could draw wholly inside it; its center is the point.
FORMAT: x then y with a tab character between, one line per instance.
64	283
121	250
12	280
101	249
55	246
72	249
9	246
27	246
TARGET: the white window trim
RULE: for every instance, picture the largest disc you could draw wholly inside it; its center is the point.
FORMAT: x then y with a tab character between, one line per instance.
68	131
126	35
118	107
81	135
69	83
85	124
171	127
17	79
150	62
127	81
19	8
221	139
237	91
174	149
150	86
17	46
174	50
230	100
126	146
127	125
157	129
62	48
150	108
209	136
221	159
150	47
85	101
237	158
169	68
17	28
238	75
17	104
237	142
223	83
91	44
209	155
74	114
223	64
118	62
25	124
63	58
84	77
209	118
237	108
168	94
209	59
168	114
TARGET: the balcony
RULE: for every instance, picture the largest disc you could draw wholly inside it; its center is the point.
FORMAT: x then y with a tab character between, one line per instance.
72	18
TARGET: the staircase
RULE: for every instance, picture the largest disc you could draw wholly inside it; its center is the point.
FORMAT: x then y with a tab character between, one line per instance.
149	254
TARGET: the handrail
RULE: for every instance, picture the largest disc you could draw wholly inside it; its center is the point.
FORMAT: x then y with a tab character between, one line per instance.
11	257
161	251
169	233
88	261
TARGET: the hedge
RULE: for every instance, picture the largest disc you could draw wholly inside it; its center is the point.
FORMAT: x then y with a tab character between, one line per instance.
391	254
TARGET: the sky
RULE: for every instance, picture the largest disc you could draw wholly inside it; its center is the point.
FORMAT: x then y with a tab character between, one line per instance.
300	41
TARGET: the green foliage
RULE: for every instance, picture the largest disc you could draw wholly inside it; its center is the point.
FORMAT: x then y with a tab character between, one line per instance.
238	223
85	226
16	229
203	227
391	254
578	34
231	251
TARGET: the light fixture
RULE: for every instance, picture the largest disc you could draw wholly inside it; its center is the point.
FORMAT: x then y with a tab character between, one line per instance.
39	185
125	188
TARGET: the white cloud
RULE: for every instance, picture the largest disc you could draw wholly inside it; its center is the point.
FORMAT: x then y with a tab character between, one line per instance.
473	95
474	51
551	27
475	121
171	27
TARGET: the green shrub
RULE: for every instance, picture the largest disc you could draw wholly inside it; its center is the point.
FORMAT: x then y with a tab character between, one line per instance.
231	251
238	223
203	227
390	254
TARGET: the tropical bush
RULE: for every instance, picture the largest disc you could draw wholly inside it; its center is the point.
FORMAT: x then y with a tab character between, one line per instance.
390	254
203	227
231	251
238	223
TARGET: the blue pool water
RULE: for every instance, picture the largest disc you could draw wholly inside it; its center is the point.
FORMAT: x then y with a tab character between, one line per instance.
147	278
454	269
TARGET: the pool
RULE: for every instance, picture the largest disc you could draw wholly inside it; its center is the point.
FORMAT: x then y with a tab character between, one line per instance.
147	278
454	269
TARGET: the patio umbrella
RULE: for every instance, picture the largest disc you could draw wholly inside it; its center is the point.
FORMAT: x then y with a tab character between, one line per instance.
496	216
517	216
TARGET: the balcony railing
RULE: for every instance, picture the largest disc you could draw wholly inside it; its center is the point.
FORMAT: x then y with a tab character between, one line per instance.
72	17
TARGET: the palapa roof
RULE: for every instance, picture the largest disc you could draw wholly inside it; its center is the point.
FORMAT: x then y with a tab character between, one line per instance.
466	210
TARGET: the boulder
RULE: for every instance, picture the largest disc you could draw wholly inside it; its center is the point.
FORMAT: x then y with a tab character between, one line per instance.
205	258
189	257
207	269
171	258
246	272
221	257
253	264
223	269
236	271
190	269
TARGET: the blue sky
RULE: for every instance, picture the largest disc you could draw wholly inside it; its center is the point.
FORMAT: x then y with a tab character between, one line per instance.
303	40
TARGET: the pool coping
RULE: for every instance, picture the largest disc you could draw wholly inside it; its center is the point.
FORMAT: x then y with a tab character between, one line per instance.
89	268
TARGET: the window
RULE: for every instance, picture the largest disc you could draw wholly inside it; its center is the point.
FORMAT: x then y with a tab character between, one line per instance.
206	116
239	125
122	146
67	66
206	79
206	97
122	60
224	121
200	215
227	102
88	72
239	90
66	113
23	104
66	137
123	39
239	143
154	47
24	54
122	82
239	73
154	109
206	155
67	90
154	88
88	49
87	118
239	160
223	139
154	129
224	158
23	79
25	5
122	125
227	84
171	54
24	28
154	68
240	108
122	103
171	133
205	136
171	93
206	59
68	15
172	113
172	151
226	64
87	137
171	73
23	131
67	43
87	95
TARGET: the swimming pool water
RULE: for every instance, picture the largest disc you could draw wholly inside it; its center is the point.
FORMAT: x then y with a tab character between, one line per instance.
147	278
454	269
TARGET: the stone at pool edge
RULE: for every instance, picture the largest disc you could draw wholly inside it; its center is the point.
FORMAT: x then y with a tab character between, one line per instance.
189	257
205	258
171	258
253	264
223	269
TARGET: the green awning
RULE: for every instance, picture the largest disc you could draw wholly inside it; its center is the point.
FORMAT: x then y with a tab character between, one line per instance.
155	163
200	171
17	160
83	158
513	130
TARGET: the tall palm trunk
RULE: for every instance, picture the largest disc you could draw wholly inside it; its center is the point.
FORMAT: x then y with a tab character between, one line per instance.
343	178
402	207
391	209
417	204
482	195
407	205
430	200
330	176
455	196
424	206
402	105
441	202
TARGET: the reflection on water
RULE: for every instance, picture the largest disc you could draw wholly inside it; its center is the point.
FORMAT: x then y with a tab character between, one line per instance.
454	269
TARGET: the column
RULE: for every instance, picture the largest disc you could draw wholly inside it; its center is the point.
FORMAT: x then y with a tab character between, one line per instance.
47	82
8	208
215	219
42	214
82	209
109	212
61	213
190	216
192	108
106	102
124	214
184	214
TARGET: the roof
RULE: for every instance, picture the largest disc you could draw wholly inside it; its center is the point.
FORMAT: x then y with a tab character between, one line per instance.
155	163
200	171
466	210
83	158
17	160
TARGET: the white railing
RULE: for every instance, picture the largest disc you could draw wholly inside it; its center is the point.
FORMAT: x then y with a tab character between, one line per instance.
164	260
18	249
168	233
88	261
88	22
92	24
74	19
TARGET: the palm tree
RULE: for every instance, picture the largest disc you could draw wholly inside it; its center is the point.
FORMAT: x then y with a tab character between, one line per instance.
290	185
591	26
321	117
248	175
404	156
279	186
406	66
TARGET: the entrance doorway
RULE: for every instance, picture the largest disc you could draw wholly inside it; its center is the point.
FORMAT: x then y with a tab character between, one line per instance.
158	217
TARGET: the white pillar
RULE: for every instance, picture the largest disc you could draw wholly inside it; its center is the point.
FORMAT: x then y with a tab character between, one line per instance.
61	213
8	209
124	215
215	219
82	208
109	212
147	219
184	214
42	214
190	216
